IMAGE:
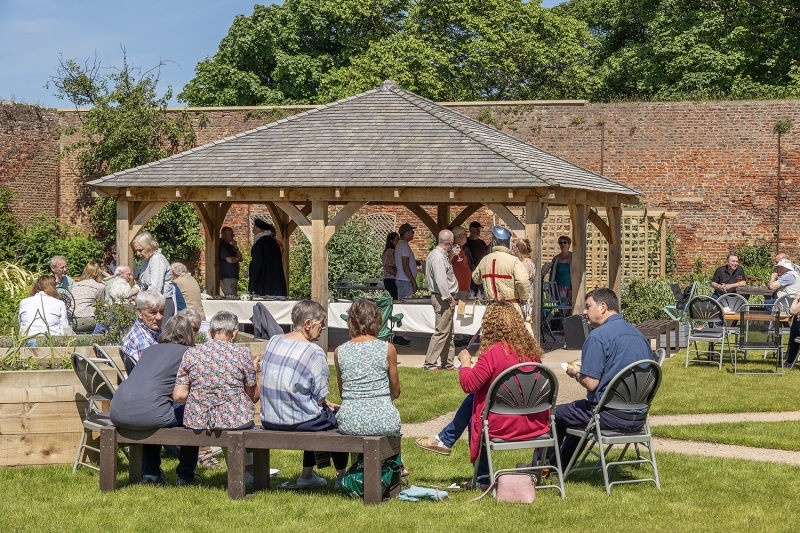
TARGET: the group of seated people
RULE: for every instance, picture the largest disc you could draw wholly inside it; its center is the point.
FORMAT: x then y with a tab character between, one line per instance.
215	385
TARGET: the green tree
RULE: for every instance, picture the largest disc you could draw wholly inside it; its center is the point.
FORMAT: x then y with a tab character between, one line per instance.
48	237
279	54
315	51
128	125
679	49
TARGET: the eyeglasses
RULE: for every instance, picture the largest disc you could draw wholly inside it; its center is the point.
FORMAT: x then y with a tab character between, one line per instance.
562	243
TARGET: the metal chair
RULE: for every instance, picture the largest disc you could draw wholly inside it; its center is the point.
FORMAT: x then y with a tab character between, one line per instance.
680	314
734	302
98	389
522	390
69	303
703	312
633	388
552	309
659	355
762	332
100	353
784	303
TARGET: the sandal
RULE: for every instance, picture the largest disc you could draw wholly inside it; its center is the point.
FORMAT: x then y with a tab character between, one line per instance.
434	445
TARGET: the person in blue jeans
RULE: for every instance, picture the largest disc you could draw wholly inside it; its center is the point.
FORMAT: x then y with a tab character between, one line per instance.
144	400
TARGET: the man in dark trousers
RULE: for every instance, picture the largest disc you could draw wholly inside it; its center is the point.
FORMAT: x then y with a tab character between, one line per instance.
266	266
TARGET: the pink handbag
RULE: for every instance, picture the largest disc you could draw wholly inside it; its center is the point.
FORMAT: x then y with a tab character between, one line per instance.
513	487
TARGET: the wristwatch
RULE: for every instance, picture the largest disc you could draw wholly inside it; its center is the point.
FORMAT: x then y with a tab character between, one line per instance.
576	376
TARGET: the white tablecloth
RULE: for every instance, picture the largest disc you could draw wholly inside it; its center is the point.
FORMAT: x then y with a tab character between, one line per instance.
417	318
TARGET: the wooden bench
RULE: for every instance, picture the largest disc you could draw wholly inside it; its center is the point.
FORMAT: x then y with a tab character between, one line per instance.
653	329
239	443
261	441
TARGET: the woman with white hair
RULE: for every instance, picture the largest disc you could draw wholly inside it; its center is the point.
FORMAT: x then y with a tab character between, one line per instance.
156	274
217	380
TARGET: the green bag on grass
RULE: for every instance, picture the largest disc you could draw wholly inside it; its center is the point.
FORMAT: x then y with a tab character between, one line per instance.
353	480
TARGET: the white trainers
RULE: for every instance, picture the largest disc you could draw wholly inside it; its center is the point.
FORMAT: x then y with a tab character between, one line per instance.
314	481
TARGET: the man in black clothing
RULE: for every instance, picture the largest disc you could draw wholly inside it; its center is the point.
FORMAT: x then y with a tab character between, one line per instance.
229	258
728	277
266	266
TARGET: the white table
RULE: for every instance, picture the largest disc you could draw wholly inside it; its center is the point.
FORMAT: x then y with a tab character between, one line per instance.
417	317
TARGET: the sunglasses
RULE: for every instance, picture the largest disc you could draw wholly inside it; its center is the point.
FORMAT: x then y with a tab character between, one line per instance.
562	243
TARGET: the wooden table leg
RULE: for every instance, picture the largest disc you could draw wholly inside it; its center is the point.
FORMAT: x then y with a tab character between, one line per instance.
236	457
373	490
108	459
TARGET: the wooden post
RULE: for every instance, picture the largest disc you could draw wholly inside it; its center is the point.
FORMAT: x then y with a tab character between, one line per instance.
319	260
615	249
579	214
662	254
534	217
124	251
442	216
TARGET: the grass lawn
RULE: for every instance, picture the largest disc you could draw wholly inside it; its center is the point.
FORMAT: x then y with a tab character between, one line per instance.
777	435
698	494
706	389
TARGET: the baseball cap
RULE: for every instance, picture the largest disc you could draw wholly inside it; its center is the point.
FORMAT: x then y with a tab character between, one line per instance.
404	228
475	224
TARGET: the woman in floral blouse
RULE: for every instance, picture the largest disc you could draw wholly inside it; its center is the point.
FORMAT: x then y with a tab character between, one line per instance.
217	380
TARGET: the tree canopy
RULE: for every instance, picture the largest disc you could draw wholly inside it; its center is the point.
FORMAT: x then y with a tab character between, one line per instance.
316	51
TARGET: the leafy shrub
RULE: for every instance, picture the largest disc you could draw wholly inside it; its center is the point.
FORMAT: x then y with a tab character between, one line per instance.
349	252
48	237
15	283
645	299
118	318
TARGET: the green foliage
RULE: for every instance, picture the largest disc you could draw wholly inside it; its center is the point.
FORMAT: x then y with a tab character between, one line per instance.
671	260
128	125
118	318
349	252
10	237
15	282
645	299
48	237
690	49
757	260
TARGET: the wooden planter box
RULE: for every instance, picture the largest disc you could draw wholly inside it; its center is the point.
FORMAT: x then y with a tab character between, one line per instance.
41	416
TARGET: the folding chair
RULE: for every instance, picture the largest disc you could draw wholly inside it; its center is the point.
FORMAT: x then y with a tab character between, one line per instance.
703	311
676	313
784	303
633	388
522	390
390	321
762	332
98	389
659	355
552	309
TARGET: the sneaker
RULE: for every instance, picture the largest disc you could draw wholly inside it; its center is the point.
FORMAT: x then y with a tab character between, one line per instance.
154	480
196	481
401	341
314	481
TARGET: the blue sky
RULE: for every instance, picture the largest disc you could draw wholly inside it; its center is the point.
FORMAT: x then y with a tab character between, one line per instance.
34	32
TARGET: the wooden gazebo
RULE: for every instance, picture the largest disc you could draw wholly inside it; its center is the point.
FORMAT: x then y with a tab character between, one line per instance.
385	146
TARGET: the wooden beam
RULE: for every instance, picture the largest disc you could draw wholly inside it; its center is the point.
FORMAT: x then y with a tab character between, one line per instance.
662	233
442	217
508	217
600	224
292	225
423	215
124	250
319	260
579	214
299	217
462	217
342	216
614	214
534	219
145	212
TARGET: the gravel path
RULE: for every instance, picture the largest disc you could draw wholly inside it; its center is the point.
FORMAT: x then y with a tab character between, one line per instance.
432	427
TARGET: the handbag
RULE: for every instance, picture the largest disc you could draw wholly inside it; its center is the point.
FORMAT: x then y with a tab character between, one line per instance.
513	487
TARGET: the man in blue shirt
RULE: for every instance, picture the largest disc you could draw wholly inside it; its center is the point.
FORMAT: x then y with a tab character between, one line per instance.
610	347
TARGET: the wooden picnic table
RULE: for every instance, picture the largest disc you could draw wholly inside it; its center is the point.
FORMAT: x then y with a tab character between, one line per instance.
749	290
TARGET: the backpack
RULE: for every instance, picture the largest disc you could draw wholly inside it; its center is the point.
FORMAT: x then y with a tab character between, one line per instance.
684	299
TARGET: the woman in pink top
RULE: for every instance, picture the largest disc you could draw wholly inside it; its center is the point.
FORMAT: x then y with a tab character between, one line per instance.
505	342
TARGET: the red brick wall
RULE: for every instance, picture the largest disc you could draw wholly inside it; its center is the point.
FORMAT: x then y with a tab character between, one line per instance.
714	164
29	158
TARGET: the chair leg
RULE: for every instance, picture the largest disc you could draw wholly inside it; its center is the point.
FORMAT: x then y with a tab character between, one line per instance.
81	442
653	459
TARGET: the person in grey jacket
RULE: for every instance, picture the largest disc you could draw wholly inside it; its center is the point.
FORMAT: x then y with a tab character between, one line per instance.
156	272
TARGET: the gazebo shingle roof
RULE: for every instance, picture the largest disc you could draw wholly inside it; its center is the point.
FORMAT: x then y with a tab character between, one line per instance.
386	137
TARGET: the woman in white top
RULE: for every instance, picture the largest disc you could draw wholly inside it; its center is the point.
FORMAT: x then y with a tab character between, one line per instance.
43	311
157	274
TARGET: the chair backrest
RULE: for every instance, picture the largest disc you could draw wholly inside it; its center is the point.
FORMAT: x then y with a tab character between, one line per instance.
686	296
69	302
705	309
386	308
523	389
757	330
734	302
783	304
659	356
100	353
633	388
98	386
676	291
